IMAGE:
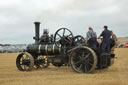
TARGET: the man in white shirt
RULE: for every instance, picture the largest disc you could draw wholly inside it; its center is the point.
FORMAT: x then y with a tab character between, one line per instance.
91	38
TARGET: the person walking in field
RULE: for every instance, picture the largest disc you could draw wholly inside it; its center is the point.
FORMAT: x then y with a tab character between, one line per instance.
114	37
91	38
106	34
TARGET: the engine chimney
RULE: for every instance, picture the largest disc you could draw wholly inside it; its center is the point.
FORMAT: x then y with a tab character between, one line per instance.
37	32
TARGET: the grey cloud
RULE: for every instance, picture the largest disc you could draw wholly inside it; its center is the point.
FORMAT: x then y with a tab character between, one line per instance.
16	23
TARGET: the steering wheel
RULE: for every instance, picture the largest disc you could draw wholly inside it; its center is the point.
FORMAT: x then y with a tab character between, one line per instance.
63	37
79	40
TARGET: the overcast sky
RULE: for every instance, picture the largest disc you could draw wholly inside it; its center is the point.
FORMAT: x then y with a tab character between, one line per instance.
17	17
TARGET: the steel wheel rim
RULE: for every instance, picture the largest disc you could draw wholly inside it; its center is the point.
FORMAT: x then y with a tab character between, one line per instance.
85	64
22	60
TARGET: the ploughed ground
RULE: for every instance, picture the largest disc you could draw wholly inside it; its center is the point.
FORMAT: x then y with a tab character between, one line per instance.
114	75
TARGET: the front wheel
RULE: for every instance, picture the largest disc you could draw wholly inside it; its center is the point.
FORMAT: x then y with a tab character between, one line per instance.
83	59
25	61
42	62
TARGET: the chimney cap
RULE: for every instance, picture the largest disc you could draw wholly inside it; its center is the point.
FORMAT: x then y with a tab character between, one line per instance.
36	22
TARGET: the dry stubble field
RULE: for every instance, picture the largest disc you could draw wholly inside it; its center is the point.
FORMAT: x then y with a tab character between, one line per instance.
115	75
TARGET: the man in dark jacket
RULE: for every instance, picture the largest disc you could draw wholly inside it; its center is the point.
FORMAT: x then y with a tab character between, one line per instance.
106	34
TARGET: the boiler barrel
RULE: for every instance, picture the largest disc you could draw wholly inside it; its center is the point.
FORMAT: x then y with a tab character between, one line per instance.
48	49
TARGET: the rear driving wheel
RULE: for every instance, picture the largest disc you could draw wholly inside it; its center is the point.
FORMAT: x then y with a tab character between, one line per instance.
25	62
83	60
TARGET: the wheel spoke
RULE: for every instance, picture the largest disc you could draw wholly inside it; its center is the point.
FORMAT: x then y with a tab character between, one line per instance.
77	62
67	41
83	55
87	56
79	67
81	39
85	69
24	67
22	58
80	57
63	32
59	35
90	64
20	62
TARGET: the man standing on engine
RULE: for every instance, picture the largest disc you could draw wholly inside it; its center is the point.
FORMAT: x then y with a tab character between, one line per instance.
91	38
106	34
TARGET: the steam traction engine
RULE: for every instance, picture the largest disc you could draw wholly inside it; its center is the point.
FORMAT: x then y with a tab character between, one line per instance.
62	49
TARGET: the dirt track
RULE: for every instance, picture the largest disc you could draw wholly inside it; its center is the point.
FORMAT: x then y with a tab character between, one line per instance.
115	75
